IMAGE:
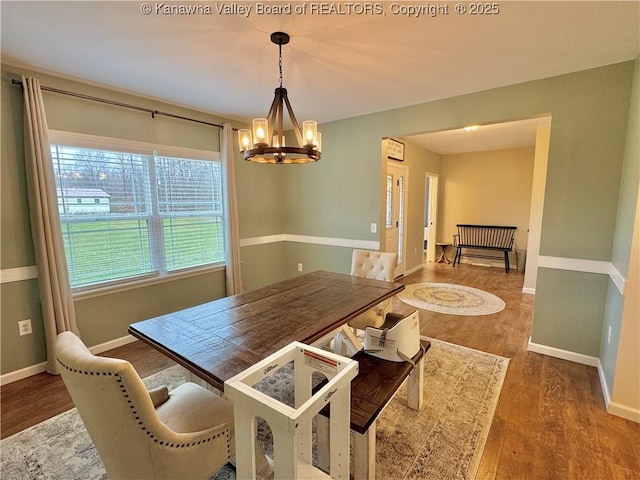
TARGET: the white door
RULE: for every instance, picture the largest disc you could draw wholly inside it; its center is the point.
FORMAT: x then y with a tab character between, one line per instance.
396	228
431	209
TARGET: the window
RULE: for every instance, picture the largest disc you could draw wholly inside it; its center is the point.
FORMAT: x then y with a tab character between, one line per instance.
127	211
389	217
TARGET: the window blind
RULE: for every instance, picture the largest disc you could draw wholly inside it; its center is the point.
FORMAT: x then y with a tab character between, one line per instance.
124	215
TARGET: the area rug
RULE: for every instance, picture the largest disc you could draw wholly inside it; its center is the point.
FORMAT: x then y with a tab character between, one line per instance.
444	440
451	299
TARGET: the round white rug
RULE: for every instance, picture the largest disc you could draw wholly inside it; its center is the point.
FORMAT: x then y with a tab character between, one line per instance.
451	299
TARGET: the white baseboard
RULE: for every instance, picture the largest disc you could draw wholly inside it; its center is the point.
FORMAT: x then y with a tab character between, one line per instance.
42	367
623	411
489	263
110	345
563	354
414	269
613	408
529	291
23	373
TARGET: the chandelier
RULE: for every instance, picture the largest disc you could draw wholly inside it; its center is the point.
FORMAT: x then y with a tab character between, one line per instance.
266	144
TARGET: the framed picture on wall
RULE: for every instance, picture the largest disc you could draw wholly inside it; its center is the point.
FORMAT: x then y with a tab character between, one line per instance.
395	150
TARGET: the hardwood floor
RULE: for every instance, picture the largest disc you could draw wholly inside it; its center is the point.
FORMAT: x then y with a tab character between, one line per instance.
30	401
550	421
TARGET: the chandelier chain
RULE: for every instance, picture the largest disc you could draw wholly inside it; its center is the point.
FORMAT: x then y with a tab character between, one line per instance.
280	62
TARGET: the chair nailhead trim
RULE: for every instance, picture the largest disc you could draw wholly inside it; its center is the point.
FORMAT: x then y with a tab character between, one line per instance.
150	434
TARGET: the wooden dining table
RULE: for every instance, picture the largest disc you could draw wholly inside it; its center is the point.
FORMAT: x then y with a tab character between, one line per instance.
219	339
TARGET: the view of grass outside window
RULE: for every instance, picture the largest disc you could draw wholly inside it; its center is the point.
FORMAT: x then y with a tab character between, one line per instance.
126	215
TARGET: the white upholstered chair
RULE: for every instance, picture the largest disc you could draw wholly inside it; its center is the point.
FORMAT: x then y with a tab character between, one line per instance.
379	266
186	433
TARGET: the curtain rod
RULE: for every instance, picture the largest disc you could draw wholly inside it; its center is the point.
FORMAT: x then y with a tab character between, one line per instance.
120	104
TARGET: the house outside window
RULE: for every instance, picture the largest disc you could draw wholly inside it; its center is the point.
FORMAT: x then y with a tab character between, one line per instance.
130	210
82	200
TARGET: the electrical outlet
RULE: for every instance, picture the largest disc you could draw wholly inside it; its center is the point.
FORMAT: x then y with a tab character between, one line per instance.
299	267
374	228
24	327
609	334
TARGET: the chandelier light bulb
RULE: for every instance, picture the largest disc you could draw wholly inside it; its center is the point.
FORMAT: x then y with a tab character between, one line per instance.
310	129
244	139
260	128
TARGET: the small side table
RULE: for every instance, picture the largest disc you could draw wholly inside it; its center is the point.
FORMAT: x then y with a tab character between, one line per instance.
443	256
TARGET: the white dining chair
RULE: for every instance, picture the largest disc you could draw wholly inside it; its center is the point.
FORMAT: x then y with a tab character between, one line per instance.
187	433
378	266
367	264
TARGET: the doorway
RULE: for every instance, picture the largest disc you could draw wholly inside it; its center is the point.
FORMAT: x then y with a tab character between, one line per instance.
396	213
510	134
430	216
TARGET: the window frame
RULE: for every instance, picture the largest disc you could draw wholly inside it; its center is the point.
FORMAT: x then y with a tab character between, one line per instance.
80	140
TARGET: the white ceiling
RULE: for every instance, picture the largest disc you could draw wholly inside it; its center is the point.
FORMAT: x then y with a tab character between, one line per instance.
336	66
497	136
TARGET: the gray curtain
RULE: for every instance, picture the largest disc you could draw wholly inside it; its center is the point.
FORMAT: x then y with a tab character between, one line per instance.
232	235
55	292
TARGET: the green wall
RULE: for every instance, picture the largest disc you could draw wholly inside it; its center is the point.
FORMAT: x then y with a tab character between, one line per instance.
629	182
106	317
316	257
627	202
612	317
262	264
20	300
589	112
337	196
342	195
567	299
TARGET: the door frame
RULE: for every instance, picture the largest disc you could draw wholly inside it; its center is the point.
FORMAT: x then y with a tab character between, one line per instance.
404	169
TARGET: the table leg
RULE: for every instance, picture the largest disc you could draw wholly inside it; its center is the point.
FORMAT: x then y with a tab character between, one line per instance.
364	454
415	386
193	378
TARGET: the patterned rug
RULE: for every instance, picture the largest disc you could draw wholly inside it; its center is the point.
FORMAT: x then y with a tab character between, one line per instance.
451	299
444	440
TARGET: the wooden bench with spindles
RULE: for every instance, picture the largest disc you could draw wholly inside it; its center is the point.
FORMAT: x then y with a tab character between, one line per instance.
484	237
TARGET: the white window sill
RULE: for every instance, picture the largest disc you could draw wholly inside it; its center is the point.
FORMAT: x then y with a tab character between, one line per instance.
99	291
